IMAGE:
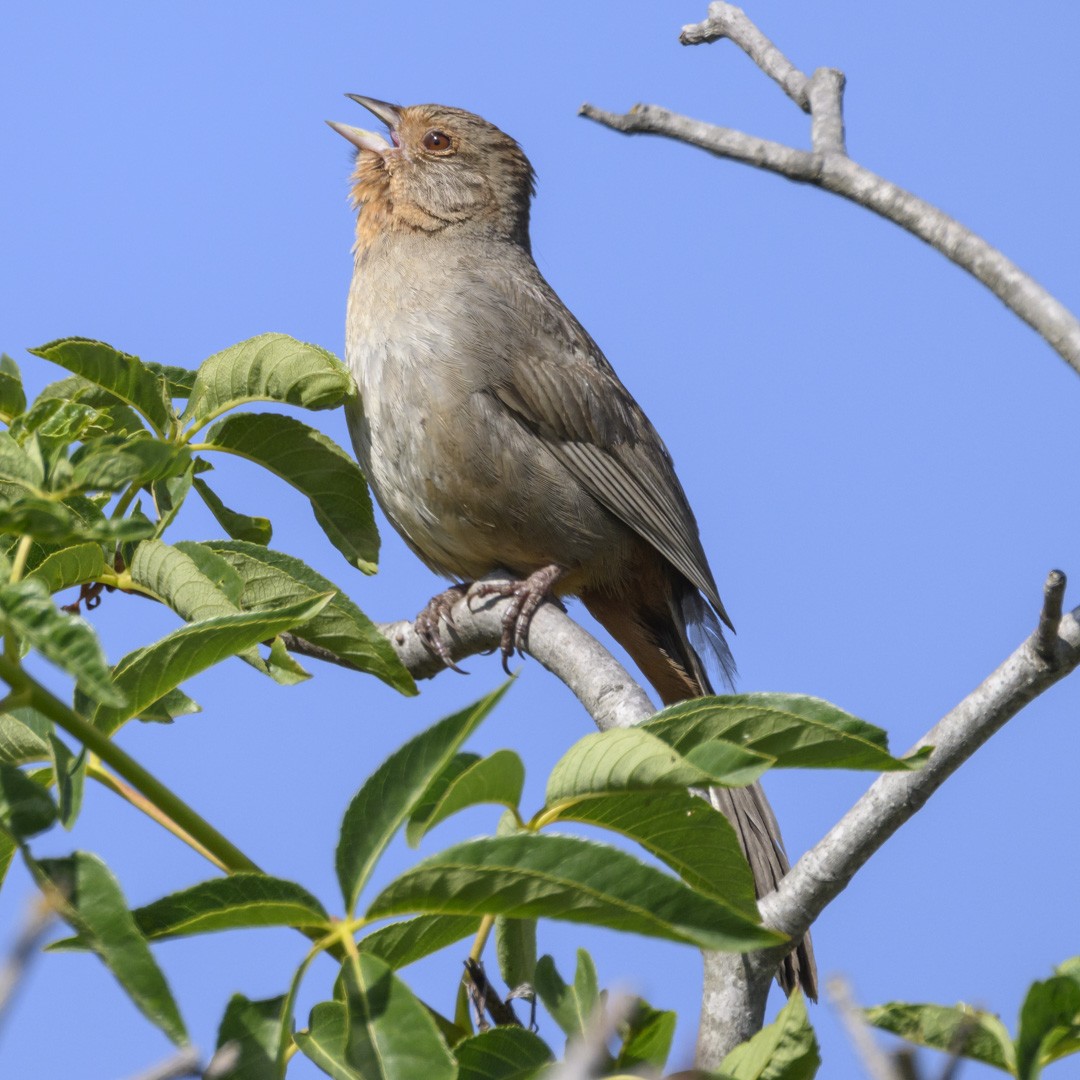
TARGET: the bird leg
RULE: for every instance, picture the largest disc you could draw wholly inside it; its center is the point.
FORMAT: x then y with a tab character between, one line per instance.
527	595
426	624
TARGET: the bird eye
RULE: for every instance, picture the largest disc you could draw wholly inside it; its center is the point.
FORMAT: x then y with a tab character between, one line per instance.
437	141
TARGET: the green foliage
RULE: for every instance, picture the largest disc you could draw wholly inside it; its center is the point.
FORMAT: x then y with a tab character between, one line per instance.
94	474
1049	1027
786	1049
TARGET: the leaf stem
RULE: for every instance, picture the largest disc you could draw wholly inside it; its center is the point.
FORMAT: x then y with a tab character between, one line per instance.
158	795
481	939
22	553
97	771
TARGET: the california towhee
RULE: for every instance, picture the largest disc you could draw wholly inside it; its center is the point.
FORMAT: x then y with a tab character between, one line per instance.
496	436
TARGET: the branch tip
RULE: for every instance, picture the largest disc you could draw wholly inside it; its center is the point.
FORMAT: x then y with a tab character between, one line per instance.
1046	635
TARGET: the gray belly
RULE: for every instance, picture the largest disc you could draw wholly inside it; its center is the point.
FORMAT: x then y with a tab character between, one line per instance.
466	485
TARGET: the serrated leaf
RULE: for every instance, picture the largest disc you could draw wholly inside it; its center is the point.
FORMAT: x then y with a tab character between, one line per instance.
113	415
317	467
24	736
148	674
985	1037
786	1049
73	565
257	530
8	847
391	1035
387	797
342	628
402	943
219	570
94	905
111	462
502	1053
19	471
173	576
253	1027
498	778
686	832
178	380
67	641
120	374
69	769
26	808
12	396
169	495
646	1038
799	731
563	877
73	521
235	902
270	367
632	759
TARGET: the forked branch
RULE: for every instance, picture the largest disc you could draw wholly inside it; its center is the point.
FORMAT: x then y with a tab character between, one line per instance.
827	165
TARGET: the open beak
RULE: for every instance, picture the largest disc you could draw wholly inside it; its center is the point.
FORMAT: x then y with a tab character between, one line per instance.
389	114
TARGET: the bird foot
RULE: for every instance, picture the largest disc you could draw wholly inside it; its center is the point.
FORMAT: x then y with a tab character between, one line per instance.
527	595
438	608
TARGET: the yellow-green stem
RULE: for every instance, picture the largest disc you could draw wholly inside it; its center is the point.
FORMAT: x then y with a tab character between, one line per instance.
96	771
22	553
481	939
229	856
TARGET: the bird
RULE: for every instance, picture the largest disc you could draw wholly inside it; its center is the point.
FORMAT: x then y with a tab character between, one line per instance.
496	436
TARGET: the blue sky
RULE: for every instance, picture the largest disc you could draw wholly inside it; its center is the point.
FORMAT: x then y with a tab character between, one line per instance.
881	457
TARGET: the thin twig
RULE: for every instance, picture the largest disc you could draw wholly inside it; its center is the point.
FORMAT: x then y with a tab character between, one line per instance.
187	1061
827	166
874	1060
1046	636
23	950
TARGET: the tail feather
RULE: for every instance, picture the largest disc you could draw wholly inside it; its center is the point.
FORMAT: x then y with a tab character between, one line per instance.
667	641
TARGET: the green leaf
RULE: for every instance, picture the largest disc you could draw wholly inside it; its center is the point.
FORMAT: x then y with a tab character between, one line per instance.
325	1040
26	808
391	1033
984	1036
253	1027
684	831
70	772
646	1038
12	397
502	1054
468	781
120	374
174	577
111	415
797	730
270	577
402	943
169	495
238	901
178	380
112	462
257	530
8	847
24	736
563	877
387	797
270	367
1049	1016
515	948
65	640
220	571
166	709
69	522
148	674
317	467
569	1010
786	1049
19	471
70	566
95	907
632	759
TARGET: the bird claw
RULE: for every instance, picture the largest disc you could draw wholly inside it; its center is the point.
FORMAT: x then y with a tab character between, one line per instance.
440	607
526	596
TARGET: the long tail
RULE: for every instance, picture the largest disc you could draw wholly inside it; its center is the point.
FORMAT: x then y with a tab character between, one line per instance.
655	627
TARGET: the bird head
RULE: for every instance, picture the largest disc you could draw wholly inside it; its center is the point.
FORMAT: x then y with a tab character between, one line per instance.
441	168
